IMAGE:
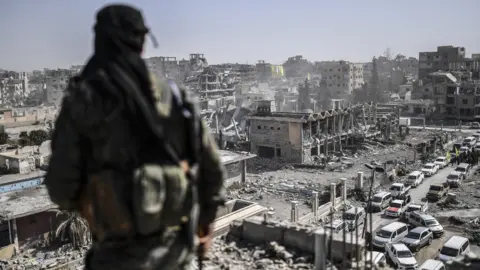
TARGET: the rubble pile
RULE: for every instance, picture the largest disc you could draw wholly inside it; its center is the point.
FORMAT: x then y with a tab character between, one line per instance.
274	184
33	259
229	253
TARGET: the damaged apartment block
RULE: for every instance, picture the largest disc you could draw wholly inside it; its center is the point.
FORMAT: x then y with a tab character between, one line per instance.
297	137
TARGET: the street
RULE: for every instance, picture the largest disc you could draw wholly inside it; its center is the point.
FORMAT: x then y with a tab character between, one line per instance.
418	195
464	129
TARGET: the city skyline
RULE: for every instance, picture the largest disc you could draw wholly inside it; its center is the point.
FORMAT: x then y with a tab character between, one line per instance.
58	34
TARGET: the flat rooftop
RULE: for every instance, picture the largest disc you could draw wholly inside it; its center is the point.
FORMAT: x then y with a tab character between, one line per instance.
228	157
18	177
25	202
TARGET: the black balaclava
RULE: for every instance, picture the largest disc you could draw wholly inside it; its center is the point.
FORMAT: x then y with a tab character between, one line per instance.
119	38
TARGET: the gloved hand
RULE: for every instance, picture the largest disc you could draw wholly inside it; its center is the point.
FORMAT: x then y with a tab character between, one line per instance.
205	234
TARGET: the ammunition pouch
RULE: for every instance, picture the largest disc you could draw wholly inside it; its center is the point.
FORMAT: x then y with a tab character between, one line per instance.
159	194
104	207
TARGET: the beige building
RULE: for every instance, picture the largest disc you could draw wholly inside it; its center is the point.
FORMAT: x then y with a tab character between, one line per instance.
439	60
342	77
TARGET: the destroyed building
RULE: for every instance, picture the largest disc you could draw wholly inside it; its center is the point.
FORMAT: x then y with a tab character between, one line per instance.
297	137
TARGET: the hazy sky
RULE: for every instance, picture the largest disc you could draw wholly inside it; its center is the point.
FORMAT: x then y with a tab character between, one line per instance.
58	33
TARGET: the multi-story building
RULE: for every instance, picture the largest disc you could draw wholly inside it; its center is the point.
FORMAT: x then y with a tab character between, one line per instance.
467	65
439	60
264	71
463	102
435	87
297	66
342	77
164	66
14	88
455	95
56	82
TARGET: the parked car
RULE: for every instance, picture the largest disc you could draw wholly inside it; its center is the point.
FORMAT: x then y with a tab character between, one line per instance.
463	168
454	179
421	219
418	238
396	208
454	247
401	257
399	189
415	178
354	217
477	147
476	135
469	142
378	260
437	191
429	169
380	201
464	149
412	208
336	226
441	162
391	233
474	125
432	265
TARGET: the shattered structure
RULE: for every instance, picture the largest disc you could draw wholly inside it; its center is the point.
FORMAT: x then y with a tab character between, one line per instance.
297	137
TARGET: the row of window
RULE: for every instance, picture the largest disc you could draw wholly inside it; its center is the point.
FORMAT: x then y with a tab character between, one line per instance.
340	77
345	85
344	69
267	127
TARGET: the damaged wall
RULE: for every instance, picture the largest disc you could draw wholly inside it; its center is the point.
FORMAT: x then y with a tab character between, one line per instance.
275	139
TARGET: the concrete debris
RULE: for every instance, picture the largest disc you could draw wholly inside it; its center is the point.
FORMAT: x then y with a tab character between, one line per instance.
231	253
34	259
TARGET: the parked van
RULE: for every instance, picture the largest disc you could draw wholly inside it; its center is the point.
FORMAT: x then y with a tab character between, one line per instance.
469	142
415	178
432	265
391	233
354	217
421	219
454	179
454	247
336	226
381	201
463	168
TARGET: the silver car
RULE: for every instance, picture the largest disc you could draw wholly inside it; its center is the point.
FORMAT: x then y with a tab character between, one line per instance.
418	238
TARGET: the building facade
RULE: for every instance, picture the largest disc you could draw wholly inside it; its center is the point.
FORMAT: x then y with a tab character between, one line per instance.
439	60
342	77
56	82
297	67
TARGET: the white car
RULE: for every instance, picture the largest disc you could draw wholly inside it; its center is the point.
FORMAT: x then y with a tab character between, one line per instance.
401	257
415	178
432	265
430	169
395	209
441	162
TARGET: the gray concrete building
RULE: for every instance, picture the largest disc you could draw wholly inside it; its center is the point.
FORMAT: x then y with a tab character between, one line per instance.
439	60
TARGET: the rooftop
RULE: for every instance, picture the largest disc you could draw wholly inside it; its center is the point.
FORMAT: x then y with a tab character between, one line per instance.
25	202
17	177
